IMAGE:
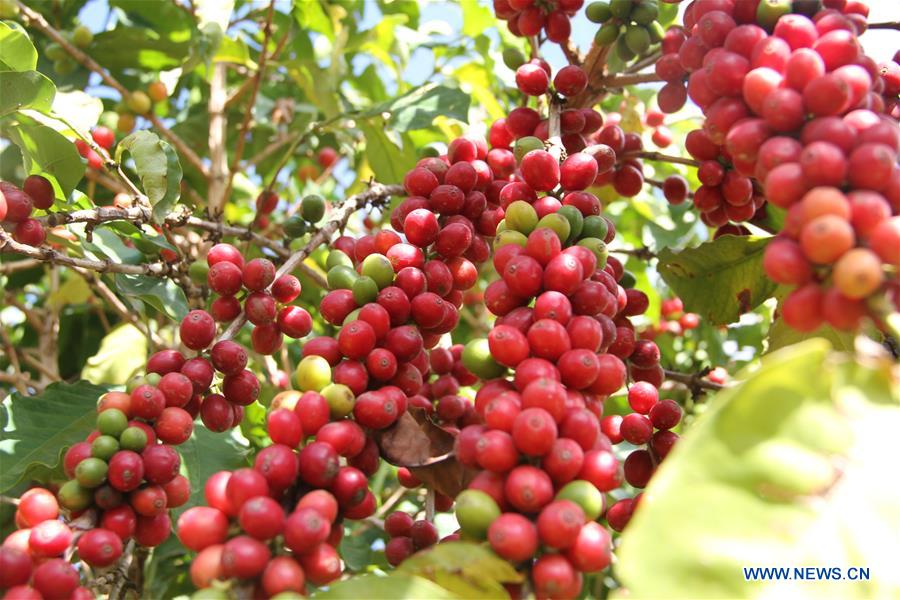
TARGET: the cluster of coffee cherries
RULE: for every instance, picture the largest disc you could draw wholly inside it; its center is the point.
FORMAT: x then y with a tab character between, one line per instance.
124	479
17	205
104	137
263	291
527	18
246	512
408	535
673	320
631	26
791	101
440	396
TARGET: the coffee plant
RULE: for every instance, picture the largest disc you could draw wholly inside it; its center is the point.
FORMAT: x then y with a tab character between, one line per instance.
538	298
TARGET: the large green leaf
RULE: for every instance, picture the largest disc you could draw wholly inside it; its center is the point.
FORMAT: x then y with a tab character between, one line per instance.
138	47
418	108
794	467
157	166
37	430
389	162
721	279
113	365
161	294
46	152
394	586
781	335
17	53
207	453
25	89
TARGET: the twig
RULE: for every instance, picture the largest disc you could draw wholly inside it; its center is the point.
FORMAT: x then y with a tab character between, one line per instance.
375	195
571	51
8	268
117	305
648	60
20	377
660	157
640	253
695	381
46	254
36	19
429	506
885	25
254	92
218	123
621	80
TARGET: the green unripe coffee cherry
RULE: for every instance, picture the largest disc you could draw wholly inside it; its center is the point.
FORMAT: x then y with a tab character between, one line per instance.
364	290
575	219
152	378
74	497
628	280
621	9
294	226
585	495
104	447
598	12
112	421
8	9
340	400
501	226
337	258
139	103
312	374
379	268
607	34
521	217
769	11
133	438
475	511
598	248
509	236
82	36
558	224
341	277
312	208
623	51
54	51
476	357
513	58
595	227
91	472
64	66
525	145
429	152
645	13
637	39
198	272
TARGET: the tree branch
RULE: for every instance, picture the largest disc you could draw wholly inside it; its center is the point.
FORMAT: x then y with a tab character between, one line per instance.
660	157
218	123
886	25
695	381
37	20
376	195
621	80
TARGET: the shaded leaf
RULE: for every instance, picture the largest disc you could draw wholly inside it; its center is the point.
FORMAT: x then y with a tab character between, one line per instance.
418	108
720	280
138	47
161	294
17	53
37	430
206	453
789	459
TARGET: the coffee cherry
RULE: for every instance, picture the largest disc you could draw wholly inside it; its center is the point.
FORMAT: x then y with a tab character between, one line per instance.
40	190
570	80
197	329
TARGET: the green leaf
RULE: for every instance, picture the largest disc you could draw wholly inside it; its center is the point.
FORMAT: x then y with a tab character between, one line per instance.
25	89
781	335
106	244
161	294
470	570
721	279
206	453
389	162
46	152
311	15
476	18
418	108
37	430
145	239
394	586
113	365
777	473
158	168
17	53
138	47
